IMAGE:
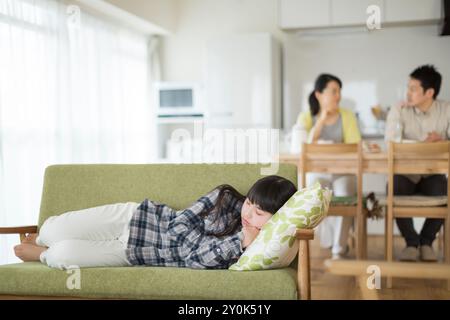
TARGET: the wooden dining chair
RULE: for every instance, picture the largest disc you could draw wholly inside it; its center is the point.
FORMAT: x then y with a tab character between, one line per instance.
408	158
332	153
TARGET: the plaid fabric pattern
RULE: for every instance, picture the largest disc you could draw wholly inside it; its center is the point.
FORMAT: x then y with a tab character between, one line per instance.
162	236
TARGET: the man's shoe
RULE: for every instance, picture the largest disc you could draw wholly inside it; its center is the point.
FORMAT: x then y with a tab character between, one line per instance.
427	254
409	254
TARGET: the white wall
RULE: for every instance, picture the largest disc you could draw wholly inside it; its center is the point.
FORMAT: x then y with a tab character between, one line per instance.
374	67
200	20
160	12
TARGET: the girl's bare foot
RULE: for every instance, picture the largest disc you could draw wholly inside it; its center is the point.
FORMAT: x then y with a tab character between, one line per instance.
28	252
30	238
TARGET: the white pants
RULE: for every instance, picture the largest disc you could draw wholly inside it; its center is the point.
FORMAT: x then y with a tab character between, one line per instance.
333	231
94	237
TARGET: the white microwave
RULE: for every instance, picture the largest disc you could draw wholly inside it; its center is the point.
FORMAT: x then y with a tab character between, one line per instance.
177	99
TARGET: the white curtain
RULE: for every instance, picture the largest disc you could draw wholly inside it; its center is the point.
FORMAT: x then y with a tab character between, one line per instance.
74	88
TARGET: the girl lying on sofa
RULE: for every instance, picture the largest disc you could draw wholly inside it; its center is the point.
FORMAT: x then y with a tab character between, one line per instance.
210	234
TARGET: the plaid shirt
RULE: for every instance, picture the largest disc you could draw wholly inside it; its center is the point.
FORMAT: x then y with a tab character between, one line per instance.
162	236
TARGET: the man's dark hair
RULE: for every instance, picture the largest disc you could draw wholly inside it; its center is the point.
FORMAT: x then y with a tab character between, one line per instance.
429	78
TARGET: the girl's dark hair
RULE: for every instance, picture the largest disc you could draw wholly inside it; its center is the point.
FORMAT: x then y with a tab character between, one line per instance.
320	84
269	193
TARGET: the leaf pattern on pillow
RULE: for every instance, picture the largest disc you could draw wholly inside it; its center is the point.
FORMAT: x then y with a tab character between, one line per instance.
282	228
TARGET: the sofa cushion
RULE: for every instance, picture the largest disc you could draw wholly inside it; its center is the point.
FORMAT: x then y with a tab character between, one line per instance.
75	187
36	279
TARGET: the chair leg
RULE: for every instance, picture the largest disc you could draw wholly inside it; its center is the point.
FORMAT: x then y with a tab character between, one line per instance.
447	246
440	238
359	232
358	238
389	242
304	271
364	235
385	236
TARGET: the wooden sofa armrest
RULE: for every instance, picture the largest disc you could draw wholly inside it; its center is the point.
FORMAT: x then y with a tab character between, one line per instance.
22	230
305	234
304	268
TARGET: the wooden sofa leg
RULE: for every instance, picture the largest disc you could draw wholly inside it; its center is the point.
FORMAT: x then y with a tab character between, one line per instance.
304	272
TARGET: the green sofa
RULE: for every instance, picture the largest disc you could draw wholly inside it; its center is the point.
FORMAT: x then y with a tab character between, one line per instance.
74	187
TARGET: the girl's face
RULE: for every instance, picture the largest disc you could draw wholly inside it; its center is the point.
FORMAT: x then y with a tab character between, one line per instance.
330	96
252	215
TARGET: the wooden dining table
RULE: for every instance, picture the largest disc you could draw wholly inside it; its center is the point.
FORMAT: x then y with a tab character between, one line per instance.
378	163
372	162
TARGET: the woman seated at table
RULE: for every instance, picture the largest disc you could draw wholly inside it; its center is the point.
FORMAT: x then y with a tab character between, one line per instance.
327	122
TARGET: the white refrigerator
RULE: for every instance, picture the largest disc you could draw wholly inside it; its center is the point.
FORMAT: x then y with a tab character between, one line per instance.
243	82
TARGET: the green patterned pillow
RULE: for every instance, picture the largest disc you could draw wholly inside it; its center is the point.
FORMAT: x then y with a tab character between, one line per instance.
276	245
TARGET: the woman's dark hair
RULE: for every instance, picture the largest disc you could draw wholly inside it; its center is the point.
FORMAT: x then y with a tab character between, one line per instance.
429	78
320	84
269	193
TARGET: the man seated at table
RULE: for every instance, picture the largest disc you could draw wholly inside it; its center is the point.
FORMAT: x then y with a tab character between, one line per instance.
421	118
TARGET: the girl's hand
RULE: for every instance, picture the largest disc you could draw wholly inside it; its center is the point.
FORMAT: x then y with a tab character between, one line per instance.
250	234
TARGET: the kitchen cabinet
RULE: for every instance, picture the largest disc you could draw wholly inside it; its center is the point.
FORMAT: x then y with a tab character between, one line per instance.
308	14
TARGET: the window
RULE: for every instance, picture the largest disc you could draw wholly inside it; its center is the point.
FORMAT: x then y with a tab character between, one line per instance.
73	89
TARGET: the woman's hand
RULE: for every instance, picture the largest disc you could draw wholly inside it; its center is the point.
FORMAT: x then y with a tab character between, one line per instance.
250	234
324	114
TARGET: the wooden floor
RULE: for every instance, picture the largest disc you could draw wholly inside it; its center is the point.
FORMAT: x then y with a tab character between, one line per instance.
327	286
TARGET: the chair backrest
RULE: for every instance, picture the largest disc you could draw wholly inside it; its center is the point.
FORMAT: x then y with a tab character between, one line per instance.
324	157
75	187
403	158
408	158
338	159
